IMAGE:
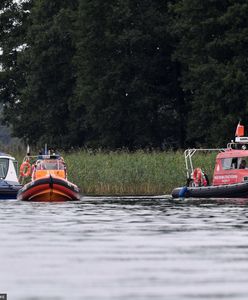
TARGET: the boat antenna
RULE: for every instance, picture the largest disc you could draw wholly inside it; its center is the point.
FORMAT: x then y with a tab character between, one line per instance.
27	157
45	149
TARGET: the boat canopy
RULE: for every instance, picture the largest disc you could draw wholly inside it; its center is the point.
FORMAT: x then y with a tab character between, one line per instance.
230	153
4	154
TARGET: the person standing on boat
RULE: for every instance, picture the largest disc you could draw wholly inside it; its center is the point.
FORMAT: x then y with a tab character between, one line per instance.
242	164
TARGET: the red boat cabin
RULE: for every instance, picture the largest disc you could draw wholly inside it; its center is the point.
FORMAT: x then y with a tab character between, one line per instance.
231	167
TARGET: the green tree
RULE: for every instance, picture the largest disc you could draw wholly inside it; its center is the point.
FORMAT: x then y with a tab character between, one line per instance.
13	29
212	49
127	88
49	80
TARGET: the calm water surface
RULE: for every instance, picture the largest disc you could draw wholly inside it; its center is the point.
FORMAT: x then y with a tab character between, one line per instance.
124	248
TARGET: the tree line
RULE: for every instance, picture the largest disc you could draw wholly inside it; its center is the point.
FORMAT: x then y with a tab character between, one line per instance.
124	74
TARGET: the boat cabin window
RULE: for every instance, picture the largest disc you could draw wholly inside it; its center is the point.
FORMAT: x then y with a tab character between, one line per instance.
229	163
234	163
4	166
243	163
50	165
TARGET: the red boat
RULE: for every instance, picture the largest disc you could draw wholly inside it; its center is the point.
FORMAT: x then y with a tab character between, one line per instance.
230	178
48	180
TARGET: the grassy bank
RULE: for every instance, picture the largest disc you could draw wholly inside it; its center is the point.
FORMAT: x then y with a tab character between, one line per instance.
124	173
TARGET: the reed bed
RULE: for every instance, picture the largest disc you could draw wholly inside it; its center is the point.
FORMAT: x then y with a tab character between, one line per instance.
136	173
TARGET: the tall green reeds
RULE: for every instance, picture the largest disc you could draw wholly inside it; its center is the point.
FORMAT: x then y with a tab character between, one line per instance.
125	173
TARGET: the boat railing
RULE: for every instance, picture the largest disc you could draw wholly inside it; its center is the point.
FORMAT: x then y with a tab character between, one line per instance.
189	153
240	142
239	146
41	157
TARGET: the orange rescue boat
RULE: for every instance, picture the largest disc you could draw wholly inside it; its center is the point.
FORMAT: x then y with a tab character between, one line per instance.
49	181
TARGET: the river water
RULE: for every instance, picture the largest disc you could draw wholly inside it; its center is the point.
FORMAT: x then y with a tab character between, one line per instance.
124	248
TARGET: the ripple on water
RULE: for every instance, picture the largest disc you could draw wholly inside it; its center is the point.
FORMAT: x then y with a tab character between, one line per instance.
124	248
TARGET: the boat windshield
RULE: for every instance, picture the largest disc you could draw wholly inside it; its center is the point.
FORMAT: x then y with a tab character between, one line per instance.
50	165
4	166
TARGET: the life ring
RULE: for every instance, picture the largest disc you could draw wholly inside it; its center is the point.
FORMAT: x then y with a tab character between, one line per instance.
25	169
199	178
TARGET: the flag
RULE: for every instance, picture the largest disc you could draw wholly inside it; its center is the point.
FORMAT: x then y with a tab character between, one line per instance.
239	130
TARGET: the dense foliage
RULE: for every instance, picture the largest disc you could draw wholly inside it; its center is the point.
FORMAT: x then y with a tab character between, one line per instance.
132	74
212	48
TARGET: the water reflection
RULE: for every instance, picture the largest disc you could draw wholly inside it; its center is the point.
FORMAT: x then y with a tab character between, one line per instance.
124	248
